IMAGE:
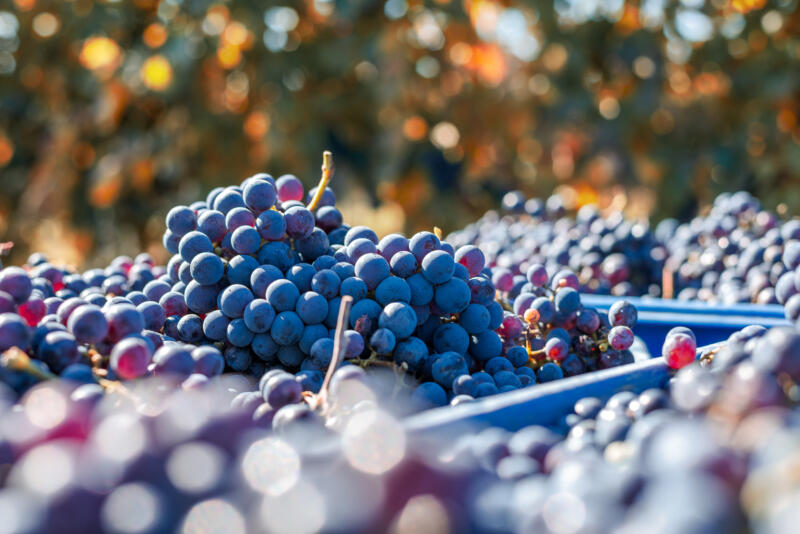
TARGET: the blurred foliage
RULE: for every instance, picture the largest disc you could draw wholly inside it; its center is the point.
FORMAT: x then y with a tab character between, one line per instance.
113	111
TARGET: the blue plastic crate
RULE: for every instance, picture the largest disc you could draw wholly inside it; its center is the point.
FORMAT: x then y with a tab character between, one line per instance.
647	304
544	404
708	328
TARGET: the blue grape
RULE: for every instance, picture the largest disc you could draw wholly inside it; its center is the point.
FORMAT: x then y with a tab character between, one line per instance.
215	325
312	307
450	337
282	295
403	264
212	223
239	217
261	278
245	240
393	289
258	315
201	299
447	368
234	299
355	287
181	220
259	195
411	352
453	296
193	244
383	341
429	394
287	328
88	324
271	225
326	283
238	334
299	222
208	361
237	358
207	268
475	318
357	232
422	243
373	269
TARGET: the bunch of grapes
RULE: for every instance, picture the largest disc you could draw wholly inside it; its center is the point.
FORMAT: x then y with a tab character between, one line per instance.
610	254
562	337
710	444
739	252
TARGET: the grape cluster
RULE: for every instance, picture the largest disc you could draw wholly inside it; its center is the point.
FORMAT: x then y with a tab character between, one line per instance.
101	324
610	254
737	253
704	454
229	454
562	337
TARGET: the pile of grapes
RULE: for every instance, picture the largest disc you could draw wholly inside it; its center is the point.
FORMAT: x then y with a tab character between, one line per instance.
257	282
260	380
736	253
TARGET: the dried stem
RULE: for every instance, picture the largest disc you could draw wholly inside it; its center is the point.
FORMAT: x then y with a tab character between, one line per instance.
327	173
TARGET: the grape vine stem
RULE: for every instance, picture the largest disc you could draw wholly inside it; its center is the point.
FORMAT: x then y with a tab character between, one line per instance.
327	173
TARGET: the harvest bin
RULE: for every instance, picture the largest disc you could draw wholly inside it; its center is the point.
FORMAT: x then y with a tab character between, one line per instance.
545	404
710	323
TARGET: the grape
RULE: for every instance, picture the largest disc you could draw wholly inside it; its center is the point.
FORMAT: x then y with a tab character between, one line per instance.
326	283
173	303
192	244
392	244
299	222
181	220
212	224
475	318
357	232
259	195
238	217
453	296
485	346
447	368
14	332
403	264
383	341
123	319
549	372
245	240
399	318
622	313
356	288
130	358
314	245
289	188
437	267
422	243
620	337
258	315
88	324
15	282
679	350
497	364
450	337
228	199
359	247
207	268
372	269
235	298
429	394
287	328
58	350
271	225
312	307
472	258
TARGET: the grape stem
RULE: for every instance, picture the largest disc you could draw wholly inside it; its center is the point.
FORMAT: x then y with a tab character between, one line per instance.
327	173
17	360
321	399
